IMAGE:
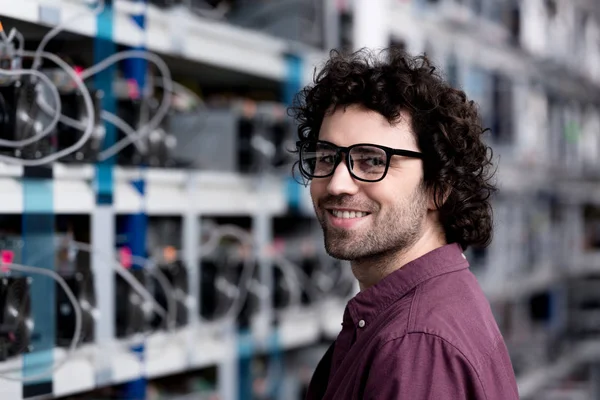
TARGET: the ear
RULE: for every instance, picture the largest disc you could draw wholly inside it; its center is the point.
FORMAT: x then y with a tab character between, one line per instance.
437	195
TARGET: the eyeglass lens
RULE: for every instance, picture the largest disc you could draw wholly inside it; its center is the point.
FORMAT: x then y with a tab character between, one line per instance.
366	162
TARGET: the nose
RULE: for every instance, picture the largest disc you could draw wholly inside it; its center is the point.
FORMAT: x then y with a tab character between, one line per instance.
341	182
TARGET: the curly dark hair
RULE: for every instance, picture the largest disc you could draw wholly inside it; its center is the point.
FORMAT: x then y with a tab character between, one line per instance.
457	163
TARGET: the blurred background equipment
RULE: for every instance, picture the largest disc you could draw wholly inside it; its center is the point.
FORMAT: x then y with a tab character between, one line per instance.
15	329
154	241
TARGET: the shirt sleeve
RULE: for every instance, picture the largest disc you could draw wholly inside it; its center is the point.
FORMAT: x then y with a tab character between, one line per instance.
421	366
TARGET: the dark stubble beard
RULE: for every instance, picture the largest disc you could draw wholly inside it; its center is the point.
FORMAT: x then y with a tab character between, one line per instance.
390	231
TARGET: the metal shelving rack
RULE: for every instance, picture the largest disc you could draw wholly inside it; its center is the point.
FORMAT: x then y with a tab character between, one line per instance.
105	191
445	29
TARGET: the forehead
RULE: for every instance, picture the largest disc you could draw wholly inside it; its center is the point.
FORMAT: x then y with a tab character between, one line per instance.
356	124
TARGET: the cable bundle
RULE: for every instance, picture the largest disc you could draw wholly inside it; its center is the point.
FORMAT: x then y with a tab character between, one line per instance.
28	96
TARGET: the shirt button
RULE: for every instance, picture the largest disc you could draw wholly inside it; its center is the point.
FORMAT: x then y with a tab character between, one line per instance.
361	323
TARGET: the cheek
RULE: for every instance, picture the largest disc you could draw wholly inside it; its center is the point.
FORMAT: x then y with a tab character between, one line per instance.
316	189
390	196
384	197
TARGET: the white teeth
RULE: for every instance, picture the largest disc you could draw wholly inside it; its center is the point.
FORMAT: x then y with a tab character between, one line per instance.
348	214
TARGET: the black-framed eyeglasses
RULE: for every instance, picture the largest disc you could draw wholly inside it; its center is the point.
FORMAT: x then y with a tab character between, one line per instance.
365	161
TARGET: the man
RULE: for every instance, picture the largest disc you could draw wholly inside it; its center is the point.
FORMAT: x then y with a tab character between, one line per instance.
401	182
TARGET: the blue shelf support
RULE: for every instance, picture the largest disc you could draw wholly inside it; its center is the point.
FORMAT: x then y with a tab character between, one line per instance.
291	86
38	240
137	224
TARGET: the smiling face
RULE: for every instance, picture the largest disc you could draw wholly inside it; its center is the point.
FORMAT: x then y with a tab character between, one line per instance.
365	219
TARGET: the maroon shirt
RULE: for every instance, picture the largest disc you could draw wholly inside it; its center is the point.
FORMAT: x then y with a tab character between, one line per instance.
425	332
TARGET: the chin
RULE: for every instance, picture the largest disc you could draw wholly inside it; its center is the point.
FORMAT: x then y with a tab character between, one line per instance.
344	250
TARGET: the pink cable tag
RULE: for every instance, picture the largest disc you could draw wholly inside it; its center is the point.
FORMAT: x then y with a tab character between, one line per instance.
133	89
279	245
125	257
7	257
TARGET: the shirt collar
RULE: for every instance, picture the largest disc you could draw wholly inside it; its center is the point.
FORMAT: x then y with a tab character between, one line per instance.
366	305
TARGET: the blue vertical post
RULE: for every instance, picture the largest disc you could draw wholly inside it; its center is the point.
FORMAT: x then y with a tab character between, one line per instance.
136	68
104	47
291	86
137	223
135	231
245	354
38	239
103	216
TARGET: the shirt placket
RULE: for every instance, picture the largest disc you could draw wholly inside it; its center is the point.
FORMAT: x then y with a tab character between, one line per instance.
344	342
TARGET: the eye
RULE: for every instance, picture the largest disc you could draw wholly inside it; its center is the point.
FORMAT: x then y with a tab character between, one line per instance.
371	160
326	158
375	161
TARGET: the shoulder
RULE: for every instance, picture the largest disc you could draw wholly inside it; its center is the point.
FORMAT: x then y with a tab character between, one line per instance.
454	308
452	330
426	365
422	365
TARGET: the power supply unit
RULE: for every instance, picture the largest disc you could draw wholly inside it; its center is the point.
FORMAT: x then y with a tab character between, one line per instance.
236	138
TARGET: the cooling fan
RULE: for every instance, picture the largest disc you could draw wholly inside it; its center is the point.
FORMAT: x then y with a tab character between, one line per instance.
74	267
28	123
309	265
177	275
234	275
132	315
81	284
216	293
9	90
281	295
74	108
220	279
8	101
160	144
16	324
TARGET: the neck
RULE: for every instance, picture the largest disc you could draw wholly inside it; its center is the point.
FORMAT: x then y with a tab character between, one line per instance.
370	270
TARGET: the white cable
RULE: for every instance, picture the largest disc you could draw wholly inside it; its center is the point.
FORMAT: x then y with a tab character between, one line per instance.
89	110
59	28
78	320
47	108
14	33
244	238
152	267
160	114
11	36
55	97
290	270
126	275
163	108
21	40
125	128
5	39
222	231
105	115
163	281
